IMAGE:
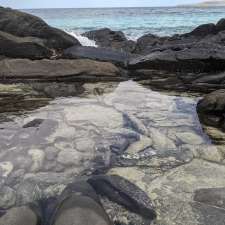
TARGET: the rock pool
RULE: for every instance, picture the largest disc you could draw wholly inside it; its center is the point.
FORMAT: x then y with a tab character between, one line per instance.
151	138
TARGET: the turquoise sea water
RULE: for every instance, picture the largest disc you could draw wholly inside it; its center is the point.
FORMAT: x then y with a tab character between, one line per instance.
133	21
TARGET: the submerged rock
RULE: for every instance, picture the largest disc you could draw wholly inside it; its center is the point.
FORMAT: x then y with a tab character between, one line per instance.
211	196
173	191
124	193
32	26
7	197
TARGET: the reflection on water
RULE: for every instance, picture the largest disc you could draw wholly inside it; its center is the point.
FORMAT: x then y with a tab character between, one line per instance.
42	150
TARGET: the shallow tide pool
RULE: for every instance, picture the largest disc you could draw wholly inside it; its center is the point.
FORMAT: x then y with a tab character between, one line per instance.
108	125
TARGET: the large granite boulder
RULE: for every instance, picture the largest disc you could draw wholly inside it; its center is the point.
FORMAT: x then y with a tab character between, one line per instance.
27	47
99	54
211	109
23	25
57	70
111	39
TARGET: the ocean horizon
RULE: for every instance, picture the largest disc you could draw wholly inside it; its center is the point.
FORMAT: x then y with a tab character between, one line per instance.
133	21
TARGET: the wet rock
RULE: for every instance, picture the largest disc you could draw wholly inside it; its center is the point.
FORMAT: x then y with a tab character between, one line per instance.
58	70
161	141
190	138
38	157
85	144
208	215
33	26
7	197
17	47
112	39
124	193
33	123
54	89
120	215
54	190
140	145
135	123
51	153
46	179
69	157
19	216
98	115
172	192
6	168
212	107
211	196
207	152
28	192
99	54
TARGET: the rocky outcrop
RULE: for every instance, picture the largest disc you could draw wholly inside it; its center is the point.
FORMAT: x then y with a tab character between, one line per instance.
58	70
211	109
151	43
25	25
200	58
99	54
111	39
27	47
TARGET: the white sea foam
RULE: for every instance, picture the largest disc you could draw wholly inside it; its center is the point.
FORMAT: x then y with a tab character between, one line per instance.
83	40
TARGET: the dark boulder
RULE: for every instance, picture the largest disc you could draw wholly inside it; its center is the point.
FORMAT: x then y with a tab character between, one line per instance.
211	109
105	36
99	54
111	39
204	30
123	192
146	43
150	43
204	57
23	24
221	25
17	47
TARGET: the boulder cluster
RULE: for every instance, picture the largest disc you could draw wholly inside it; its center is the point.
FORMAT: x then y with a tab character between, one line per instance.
191	61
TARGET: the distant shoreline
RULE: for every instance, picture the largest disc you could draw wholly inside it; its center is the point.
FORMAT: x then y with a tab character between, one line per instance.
153	7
